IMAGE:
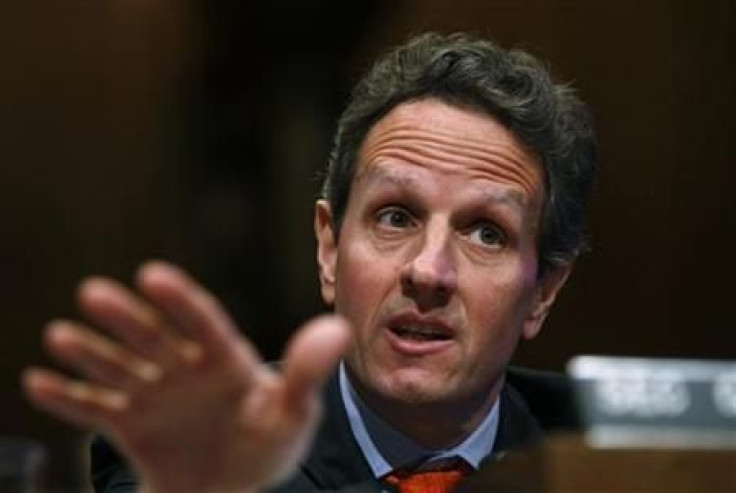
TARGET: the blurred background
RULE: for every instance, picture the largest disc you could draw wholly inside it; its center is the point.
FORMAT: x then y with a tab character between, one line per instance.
194	130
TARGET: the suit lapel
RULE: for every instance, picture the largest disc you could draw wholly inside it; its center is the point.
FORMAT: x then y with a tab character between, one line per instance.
517	427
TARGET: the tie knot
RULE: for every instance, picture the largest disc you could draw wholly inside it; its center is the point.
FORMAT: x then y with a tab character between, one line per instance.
435	477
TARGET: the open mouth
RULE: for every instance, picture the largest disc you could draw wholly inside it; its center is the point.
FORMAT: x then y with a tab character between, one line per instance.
421	333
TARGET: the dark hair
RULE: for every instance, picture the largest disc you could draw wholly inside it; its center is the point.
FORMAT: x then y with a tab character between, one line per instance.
510	85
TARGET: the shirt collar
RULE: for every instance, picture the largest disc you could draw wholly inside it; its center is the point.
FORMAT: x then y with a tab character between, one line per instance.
385	448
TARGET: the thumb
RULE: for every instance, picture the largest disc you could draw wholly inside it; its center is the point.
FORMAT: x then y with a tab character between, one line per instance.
311	355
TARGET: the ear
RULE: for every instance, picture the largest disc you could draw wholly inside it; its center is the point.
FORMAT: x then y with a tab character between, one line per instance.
544	297
326	249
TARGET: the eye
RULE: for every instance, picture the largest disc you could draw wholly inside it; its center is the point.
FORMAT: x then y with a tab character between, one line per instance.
394	217
487	234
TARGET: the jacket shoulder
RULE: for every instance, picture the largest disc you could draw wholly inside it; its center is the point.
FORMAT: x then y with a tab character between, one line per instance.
550	397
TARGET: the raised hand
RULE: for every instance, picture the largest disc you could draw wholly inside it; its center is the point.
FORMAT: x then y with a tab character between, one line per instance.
182	394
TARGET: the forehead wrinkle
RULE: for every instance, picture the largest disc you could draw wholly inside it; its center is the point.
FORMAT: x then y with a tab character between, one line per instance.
438	136
507	161
475	169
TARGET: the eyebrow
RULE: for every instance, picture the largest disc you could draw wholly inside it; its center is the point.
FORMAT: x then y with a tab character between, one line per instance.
407	181
513	196
378	174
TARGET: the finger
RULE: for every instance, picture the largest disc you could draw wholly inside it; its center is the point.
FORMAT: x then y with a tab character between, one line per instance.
76	402
311	356
194	309
103	361
131	319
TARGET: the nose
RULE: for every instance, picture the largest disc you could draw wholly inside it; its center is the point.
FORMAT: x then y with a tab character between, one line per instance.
429	275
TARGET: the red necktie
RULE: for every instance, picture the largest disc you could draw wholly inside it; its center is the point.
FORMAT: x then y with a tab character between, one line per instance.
442	479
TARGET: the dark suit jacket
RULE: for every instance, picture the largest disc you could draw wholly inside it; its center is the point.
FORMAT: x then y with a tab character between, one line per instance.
532	403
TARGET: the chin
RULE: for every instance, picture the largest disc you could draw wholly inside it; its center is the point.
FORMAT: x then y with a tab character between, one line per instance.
416	386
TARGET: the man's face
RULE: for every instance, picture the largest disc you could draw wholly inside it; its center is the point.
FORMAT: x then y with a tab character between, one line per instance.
436	263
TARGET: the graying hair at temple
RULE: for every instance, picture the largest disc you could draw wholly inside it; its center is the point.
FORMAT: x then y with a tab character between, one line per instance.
510	85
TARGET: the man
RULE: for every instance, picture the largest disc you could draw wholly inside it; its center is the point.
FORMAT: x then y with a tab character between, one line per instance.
452	212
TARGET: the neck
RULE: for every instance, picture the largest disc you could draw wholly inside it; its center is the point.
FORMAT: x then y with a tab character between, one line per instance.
435	424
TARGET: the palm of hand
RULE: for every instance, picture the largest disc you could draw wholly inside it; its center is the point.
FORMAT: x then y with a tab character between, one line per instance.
183	395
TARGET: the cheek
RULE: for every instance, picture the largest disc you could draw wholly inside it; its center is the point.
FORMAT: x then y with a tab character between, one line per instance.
360	284
497	310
